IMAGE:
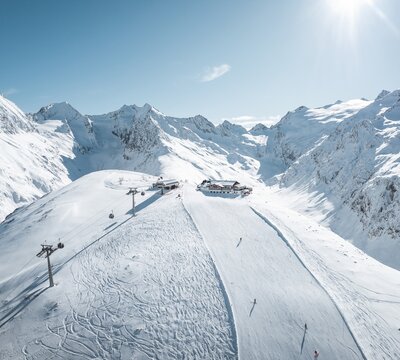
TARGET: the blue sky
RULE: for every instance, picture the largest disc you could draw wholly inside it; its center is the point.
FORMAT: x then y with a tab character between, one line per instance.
245	60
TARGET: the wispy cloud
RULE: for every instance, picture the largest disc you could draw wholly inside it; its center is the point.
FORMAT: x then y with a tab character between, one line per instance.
248	121
215	72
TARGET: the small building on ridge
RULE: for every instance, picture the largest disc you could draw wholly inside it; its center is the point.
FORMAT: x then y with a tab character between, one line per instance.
224	187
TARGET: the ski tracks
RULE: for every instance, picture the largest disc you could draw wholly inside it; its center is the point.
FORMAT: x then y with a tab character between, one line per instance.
368	328
149	290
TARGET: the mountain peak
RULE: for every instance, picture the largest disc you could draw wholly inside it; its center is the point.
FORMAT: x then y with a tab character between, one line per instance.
57	111
228	128
258	128
382	94
302	109
147	107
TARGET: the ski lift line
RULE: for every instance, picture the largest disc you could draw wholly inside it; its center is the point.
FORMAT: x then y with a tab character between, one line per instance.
9	231
83	232
64	237
95	215
67	236
77	230
95	241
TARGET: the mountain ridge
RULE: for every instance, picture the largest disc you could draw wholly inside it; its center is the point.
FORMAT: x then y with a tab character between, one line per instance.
344	152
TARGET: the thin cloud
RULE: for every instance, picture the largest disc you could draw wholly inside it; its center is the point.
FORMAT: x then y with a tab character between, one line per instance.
215	72
248	121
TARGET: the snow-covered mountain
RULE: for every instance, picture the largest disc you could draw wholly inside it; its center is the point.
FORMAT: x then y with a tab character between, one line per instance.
78	126
194	275
46	150
340	158
351	170
32	158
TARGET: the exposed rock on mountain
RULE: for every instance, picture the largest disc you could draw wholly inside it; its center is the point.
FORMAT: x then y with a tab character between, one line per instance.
343	157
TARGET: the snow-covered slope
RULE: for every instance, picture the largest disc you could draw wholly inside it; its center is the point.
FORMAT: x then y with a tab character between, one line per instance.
12	119
352	174
300	130
151	141
78	126
190	276
32	158
128	287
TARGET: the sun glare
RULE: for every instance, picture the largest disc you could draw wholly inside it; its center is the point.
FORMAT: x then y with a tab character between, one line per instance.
348	8
346	17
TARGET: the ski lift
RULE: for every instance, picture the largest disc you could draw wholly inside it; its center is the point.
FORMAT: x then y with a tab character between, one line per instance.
60	245
111	216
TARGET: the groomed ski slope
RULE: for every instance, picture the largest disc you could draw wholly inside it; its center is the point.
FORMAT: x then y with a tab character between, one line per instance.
366	291
261	266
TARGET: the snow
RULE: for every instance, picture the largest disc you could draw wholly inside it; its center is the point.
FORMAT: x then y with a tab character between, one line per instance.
142	287
256	264
366	291
179	279
350	179
12	119
31	166
80	126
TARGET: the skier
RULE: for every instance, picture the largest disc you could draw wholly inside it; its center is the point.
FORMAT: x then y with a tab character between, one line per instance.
316	354
305	326
255	302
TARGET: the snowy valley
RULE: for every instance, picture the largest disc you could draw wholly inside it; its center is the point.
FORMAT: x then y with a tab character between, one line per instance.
310	260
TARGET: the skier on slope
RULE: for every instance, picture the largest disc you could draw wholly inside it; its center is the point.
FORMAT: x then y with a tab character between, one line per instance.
316	354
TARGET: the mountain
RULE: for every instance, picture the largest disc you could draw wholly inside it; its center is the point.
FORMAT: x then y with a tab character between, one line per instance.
78	126
69	145
340	160
354	171
32	158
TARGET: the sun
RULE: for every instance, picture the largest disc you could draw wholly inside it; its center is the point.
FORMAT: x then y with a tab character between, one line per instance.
346	19
348	8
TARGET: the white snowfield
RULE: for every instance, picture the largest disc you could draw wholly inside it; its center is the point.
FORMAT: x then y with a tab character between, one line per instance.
189	277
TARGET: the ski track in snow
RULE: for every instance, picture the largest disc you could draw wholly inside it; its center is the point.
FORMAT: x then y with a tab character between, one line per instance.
371	330
148	291
262	267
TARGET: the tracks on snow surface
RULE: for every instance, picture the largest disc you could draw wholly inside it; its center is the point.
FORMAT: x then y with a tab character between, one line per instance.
148	290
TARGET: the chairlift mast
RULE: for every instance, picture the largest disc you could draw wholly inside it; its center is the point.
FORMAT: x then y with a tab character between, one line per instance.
46	251
132	191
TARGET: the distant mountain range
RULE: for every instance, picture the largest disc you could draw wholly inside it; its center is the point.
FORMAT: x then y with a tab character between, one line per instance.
342	160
